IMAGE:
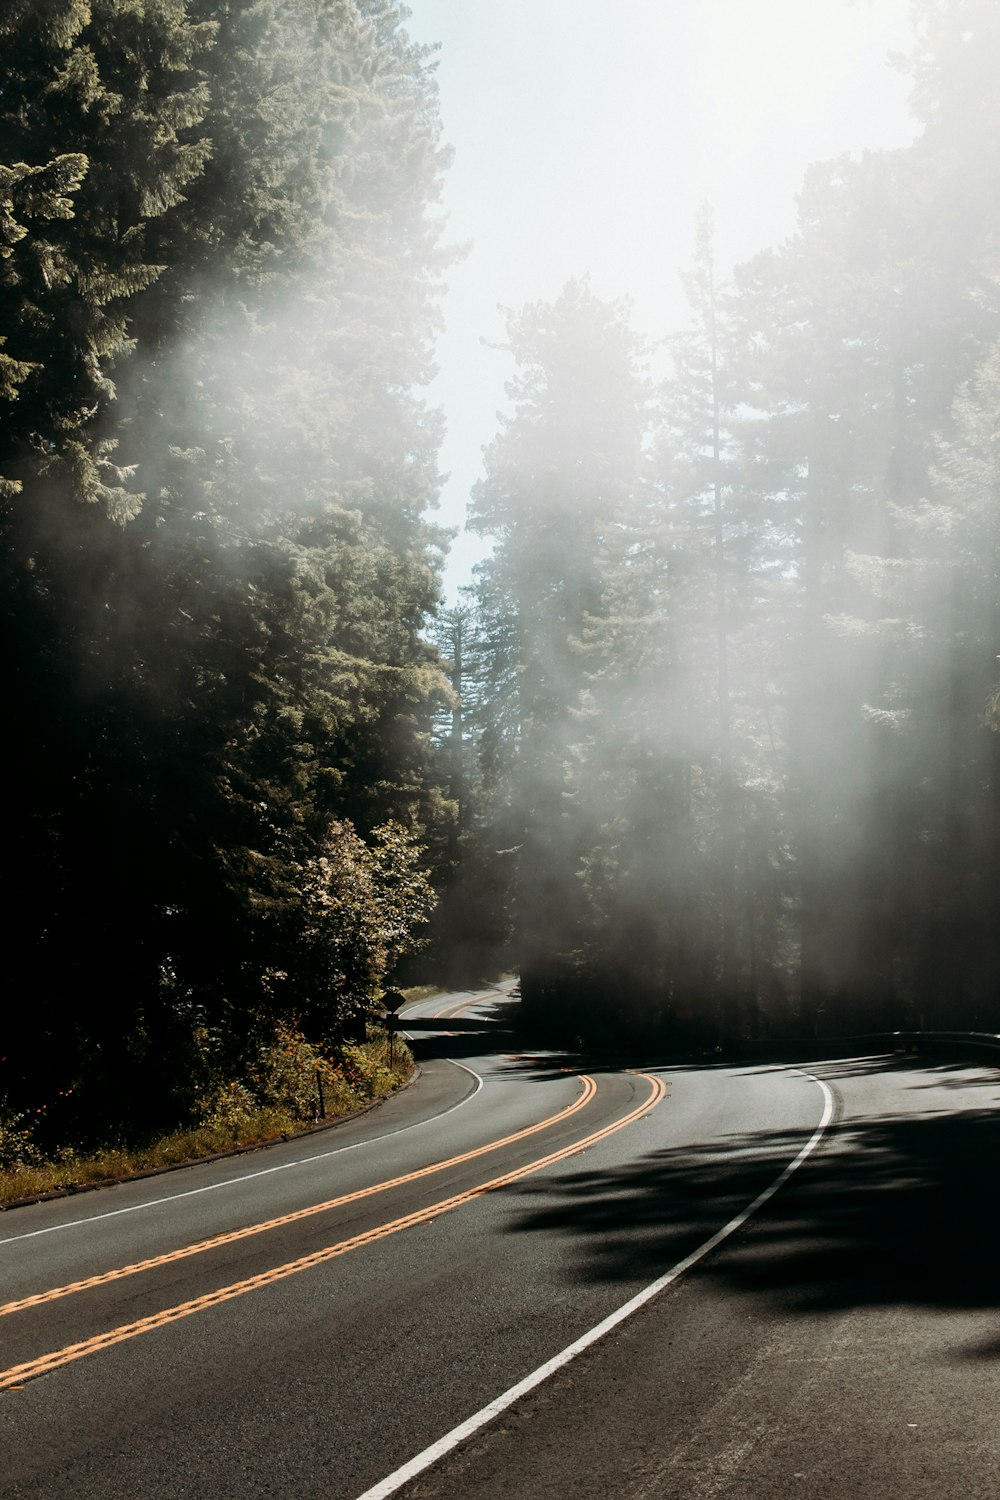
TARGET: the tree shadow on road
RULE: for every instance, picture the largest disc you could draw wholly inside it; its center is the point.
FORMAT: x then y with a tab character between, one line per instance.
890	1211
500	1034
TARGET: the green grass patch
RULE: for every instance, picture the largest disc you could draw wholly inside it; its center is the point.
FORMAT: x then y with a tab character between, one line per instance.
422	991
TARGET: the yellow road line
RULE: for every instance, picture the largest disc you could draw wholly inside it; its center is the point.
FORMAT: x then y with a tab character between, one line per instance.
17	1374
104	1277
201	1246
450	1011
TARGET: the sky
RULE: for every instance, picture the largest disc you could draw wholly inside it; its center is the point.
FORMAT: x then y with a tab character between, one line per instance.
586	133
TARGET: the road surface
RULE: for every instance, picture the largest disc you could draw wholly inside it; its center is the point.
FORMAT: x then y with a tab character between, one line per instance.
719	1281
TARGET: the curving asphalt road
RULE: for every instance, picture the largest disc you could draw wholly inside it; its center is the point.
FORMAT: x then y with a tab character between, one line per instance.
353	1314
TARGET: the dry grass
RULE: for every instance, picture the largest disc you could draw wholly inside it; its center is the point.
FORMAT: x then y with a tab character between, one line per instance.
239	1127
422	991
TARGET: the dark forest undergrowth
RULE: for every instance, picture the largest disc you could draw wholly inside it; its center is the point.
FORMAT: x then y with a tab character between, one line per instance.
296	1090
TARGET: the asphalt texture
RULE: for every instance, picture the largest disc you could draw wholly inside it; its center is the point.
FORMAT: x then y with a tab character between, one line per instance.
841	1344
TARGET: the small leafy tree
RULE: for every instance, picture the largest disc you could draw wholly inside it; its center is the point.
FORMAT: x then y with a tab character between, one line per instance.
343	921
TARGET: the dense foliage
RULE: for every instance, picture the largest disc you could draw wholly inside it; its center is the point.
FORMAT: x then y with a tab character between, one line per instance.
217	294
709	751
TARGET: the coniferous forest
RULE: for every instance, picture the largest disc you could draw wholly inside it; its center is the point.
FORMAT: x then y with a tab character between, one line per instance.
709	752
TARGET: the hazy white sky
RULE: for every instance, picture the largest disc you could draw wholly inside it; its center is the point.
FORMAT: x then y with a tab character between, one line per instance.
586	134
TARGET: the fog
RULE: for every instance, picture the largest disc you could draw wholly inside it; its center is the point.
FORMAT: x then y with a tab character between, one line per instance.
708	752
589	141
750	725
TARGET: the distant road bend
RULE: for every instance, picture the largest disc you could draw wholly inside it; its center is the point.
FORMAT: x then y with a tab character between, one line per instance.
521	1277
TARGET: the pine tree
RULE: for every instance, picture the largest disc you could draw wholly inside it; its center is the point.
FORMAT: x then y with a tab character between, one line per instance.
232	667
557	476
700	451
110	92
862	327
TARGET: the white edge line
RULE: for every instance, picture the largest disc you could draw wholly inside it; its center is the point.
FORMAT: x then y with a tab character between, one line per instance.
482	1418
211	1187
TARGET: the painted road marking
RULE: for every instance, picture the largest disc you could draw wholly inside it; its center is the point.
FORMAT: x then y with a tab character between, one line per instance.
232	1236
486	1414
300	1161
16	1375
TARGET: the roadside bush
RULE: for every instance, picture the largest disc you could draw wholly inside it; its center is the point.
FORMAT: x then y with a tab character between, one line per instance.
277	1099
368	1072
18	1148
230	1109
290	1071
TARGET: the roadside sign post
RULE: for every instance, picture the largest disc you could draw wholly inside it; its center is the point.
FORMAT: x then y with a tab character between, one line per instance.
392	1000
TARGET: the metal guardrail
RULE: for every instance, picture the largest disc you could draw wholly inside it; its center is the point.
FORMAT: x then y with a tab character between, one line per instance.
910	1040
917	1041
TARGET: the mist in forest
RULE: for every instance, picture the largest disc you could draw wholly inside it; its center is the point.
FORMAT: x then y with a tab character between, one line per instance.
221	262
734	666
708	751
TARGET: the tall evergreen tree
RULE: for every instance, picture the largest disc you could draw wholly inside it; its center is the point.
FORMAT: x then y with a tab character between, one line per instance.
558	475
231	668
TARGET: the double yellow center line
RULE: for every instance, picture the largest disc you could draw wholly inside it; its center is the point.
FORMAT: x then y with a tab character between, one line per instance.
452	1012
201	1246
17	1374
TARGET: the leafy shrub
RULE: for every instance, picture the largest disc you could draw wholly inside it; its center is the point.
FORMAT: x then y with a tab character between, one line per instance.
230	1109
342	919
290	1072
18	1148
369	1076
277	1100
